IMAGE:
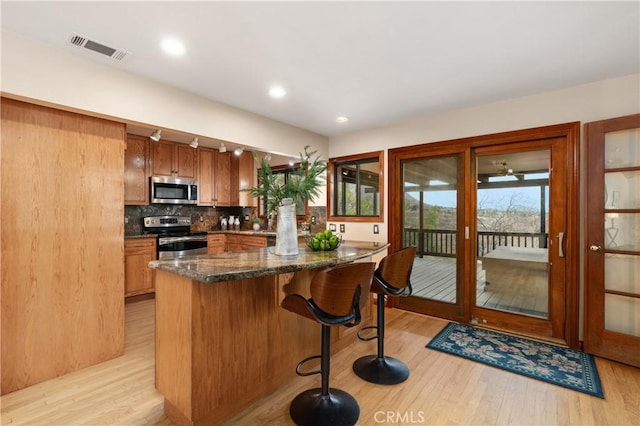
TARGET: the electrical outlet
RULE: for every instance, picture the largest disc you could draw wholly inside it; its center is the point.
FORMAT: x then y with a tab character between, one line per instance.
313	220
342	227
246	217
332	227
376	230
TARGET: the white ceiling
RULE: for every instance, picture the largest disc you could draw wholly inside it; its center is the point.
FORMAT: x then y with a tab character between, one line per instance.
378	63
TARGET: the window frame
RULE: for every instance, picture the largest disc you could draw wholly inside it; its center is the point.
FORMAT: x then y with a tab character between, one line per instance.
284	169
332	181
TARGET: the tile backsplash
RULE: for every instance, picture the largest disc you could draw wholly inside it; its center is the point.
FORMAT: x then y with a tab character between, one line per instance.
204	218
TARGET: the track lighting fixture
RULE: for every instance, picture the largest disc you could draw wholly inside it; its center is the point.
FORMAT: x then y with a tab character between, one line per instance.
194	143
238	151
155	136
222	148
267	157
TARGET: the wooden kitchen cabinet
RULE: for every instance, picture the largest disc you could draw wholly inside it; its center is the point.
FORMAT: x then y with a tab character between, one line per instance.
173	159
222	176
138	252
205	177
247	178
237	242
225	179
216	243
136	171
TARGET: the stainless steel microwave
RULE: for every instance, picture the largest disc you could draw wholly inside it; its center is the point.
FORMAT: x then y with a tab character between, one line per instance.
167	190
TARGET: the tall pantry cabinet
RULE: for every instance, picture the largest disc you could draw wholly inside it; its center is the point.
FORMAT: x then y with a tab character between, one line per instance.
61	262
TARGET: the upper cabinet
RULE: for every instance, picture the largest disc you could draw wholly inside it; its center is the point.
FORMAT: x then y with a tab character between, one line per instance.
222	176
205	177
225	179
136	182
173	159
247	178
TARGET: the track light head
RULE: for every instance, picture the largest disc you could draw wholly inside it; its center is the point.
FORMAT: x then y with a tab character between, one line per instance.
155	136
222	148
194	143
238	151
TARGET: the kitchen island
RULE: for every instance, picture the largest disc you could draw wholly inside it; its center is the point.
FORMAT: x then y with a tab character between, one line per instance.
222	340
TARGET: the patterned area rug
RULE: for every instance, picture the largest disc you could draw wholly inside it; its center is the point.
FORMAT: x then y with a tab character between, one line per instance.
550	363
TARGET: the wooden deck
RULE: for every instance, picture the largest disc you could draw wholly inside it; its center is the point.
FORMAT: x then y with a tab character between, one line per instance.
521	291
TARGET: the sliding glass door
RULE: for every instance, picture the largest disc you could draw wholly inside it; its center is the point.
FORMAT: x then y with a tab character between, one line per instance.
491	218
433	209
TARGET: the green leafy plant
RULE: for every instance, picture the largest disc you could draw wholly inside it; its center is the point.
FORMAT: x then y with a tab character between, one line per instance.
304	182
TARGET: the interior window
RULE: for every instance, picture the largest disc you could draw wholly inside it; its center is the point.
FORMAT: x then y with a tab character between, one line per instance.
283	174
356	188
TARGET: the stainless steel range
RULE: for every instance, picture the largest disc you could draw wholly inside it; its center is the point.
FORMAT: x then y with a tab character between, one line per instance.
175	238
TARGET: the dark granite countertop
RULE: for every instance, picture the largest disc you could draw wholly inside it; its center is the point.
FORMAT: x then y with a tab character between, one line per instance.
135	236
228	266
260	233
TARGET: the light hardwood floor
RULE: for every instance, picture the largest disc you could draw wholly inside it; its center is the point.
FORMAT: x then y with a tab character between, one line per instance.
442	389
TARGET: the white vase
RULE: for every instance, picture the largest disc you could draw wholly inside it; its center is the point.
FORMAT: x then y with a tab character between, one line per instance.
286	232
256	226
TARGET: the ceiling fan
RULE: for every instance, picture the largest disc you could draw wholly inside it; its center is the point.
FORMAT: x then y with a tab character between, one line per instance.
505	170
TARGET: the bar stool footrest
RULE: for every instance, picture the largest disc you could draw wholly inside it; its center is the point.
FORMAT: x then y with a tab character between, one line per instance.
338	408
382	371
367	338
304	361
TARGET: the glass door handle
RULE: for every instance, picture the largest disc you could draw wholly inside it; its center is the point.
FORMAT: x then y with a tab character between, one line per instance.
595	247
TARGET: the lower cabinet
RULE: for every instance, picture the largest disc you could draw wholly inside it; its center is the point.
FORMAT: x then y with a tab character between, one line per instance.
138	252
237	242
216	243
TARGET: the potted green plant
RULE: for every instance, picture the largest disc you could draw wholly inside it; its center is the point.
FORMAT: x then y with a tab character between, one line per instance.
304	183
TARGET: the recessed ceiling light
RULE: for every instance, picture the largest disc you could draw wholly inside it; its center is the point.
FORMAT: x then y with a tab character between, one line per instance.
277	92
342	119
173	46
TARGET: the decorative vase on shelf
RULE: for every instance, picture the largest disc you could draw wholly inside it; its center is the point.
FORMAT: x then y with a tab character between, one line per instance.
256	226
286	232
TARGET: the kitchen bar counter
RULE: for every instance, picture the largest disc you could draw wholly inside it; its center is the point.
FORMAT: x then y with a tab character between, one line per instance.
222	339
258	262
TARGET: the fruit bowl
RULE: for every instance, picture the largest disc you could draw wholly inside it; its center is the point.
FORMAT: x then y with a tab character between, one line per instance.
324	241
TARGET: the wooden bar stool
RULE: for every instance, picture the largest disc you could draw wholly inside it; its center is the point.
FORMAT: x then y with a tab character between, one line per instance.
391	278
337	295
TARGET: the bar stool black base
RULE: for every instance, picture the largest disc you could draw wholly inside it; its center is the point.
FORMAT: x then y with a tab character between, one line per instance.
312	408
381	371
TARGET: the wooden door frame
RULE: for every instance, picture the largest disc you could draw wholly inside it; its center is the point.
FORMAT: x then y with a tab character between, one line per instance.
571	133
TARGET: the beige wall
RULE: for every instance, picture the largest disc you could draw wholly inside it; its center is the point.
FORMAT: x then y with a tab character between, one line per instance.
47	75
589	102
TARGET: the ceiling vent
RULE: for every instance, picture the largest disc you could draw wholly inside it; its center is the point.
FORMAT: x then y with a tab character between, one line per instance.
85	42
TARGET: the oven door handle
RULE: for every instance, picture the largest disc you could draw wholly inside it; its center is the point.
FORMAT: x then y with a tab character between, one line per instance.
171	240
